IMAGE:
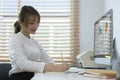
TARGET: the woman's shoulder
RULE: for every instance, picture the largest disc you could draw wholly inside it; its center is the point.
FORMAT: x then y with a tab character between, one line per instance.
13	36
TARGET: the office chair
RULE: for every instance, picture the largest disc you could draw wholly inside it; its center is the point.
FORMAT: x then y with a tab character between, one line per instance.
4	71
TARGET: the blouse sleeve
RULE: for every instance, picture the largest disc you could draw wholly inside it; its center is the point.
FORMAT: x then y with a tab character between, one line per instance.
44	56
19	59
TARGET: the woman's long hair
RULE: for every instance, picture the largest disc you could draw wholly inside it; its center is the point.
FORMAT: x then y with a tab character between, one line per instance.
25	13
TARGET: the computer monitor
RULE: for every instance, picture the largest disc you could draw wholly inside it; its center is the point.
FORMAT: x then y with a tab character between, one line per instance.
103	39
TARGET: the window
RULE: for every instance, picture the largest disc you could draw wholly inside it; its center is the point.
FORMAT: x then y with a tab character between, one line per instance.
58	31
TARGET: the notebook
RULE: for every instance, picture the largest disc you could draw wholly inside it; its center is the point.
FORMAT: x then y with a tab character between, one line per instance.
100	73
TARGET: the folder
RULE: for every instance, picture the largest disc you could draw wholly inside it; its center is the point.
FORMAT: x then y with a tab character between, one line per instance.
100	73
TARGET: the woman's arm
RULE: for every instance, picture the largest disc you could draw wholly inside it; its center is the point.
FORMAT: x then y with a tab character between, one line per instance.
19	59
51	67
45	57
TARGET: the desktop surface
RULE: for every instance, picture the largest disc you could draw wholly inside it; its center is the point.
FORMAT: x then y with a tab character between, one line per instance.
62	76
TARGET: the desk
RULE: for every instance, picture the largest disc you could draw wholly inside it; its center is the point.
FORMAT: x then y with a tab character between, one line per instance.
62	76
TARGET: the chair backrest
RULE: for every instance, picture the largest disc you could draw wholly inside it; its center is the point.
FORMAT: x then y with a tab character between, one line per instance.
4	70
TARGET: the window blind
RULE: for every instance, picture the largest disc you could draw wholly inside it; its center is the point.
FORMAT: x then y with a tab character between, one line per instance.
8	11
58	31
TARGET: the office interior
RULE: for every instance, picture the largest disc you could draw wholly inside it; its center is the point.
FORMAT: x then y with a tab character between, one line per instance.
89	12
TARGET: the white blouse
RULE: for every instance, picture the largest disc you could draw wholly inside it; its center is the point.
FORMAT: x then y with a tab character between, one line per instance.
25	55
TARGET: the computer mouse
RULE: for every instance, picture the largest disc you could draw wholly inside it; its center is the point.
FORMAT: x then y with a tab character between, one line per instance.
75	70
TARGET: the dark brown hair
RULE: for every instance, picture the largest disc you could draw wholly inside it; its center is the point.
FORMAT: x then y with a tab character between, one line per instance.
25	13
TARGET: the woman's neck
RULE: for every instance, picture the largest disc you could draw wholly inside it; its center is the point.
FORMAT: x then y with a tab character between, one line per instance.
25	34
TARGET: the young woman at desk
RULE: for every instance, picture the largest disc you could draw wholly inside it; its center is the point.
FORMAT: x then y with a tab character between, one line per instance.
25	52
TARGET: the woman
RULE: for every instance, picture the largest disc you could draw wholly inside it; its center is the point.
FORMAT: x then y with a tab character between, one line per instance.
26	54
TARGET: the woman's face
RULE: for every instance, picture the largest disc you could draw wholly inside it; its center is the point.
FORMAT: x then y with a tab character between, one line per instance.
33	24
31	27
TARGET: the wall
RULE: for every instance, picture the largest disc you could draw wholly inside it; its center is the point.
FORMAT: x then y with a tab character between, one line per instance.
90	11
115	5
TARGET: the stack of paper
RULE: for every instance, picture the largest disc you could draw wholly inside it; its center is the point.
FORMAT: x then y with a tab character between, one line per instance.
100	73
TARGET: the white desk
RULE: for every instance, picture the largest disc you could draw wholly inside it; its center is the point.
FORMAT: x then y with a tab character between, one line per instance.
62	76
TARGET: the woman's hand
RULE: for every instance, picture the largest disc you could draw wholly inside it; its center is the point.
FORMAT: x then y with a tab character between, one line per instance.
56	67
62	67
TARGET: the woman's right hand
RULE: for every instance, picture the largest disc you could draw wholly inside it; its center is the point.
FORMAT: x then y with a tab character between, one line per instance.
62	67
56	67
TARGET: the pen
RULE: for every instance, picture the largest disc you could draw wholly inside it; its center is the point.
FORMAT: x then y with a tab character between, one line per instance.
62	56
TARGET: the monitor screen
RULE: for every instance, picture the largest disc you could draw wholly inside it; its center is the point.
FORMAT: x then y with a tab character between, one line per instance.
103	39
